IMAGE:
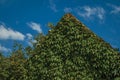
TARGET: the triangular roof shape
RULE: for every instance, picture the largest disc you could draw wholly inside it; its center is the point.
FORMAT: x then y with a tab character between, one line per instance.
71	51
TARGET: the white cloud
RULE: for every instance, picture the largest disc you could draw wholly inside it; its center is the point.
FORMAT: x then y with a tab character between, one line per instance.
35	26
89	12
30	39
53	5
7	33
4	49
29	36
116	9
66	10
30	43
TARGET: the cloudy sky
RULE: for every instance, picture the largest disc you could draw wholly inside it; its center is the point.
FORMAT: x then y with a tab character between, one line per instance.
21	20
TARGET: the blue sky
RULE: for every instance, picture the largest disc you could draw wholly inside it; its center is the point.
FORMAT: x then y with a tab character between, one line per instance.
21	20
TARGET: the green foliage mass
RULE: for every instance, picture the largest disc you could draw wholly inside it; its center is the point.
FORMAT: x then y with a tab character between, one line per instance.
12	67
4	65
71	51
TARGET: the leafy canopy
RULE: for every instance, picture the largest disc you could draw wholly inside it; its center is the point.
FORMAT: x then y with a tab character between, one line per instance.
71	51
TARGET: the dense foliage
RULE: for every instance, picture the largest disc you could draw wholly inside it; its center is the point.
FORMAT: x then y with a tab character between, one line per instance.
70	51
12	67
